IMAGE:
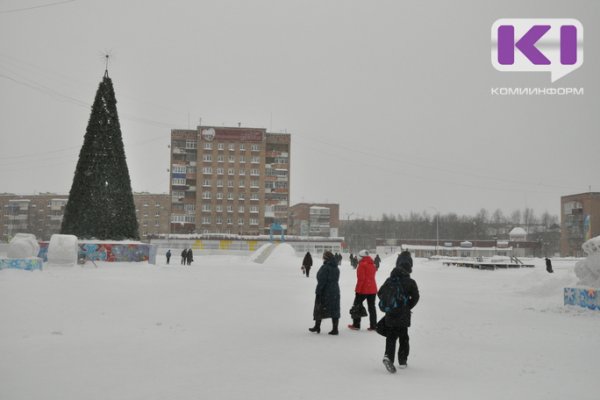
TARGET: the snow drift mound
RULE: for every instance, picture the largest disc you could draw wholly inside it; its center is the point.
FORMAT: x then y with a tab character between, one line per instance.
63	250
281	254
588	270
23	245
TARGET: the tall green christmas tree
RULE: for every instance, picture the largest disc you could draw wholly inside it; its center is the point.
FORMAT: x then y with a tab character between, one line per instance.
100	202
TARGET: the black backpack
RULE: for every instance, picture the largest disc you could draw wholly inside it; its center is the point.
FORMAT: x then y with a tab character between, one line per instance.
391	295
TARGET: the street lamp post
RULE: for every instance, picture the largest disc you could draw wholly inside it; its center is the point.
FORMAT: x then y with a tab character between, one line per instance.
437	229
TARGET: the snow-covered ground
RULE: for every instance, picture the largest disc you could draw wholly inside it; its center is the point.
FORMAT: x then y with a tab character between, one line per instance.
227	328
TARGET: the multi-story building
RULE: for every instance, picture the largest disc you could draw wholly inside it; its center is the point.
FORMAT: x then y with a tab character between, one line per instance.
314	219
42	214
229	180
580	221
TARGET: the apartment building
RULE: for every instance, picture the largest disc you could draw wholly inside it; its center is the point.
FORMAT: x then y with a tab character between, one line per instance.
580	221
314	219
231	180
42	214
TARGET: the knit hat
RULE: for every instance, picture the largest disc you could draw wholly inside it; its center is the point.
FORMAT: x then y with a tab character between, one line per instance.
363	253
405	261
328	255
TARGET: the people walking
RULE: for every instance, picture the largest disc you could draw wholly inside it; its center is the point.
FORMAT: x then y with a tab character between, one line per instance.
397	319
327	294
366	289
168	255
189	257
307	262
183	256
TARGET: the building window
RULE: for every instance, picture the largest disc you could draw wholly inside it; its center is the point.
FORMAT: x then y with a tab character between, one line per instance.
207	146
230	184
206	195
221	146
254	172
220	171
253	196
189	208
240	209
254	209
219	195
190	144
242	147
178	169
254	183
178	181
242	183
229	208
206	207
240	221
242	196
207	157
206	182
205	220
229	195
231	159
231	171
253	221
242	172
220	158
255	160
219	220
229	221
219	208
242	159
219	182
255	147
231	146
206	170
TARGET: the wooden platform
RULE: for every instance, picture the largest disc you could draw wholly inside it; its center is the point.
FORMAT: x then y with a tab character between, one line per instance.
487	264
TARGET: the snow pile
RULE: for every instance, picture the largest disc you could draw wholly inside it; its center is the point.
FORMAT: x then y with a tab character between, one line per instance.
588	270
254	256
23	245
281	255
63	250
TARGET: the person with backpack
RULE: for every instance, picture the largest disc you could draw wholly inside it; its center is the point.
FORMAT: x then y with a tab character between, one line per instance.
327	294
366	288
397	297
307	263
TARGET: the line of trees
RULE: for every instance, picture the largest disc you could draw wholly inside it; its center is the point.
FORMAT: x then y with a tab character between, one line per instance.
361	233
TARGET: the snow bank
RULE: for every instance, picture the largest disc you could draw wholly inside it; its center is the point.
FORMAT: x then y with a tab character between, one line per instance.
23	245
282	254
63	250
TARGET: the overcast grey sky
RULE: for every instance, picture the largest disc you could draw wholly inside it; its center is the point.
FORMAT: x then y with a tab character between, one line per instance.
388	102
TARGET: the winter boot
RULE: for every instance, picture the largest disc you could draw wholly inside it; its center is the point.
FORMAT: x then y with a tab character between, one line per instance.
402	364
335	323
317	327
389	365
354	328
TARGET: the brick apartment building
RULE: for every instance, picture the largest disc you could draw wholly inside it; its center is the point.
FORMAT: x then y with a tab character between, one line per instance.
580	221
42	214
229	180
314	219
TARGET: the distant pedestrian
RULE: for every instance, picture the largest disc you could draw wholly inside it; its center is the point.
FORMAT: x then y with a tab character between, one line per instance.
549	265
307	262
189	257
183	256
327	294
168	254
366	289
377	261
397	320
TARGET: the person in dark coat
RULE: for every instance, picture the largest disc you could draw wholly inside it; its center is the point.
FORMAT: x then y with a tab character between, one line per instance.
366	289
549	265
397	321
307	263
168	254
377	261
327	294
189	257
183	256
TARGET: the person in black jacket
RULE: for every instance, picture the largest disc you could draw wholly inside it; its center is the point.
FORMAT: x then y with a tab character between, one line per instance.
327	294
397	321
307	263
549	265
377	261
183	256
189	257
168	255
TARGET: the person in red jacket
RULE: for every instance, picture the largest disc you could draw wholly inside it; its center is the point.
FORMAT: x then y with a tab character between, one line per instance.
366	288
